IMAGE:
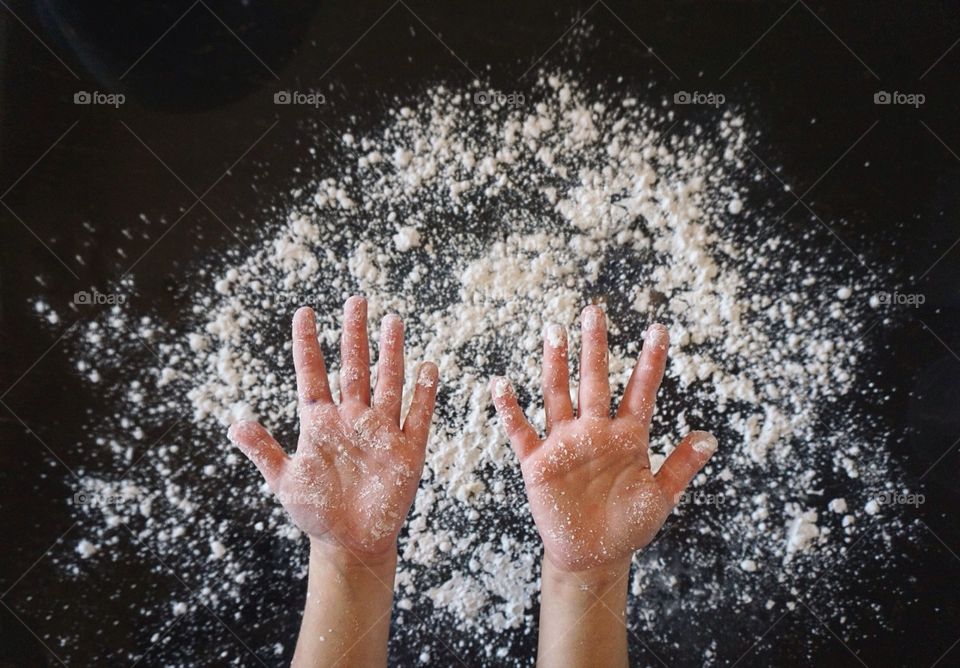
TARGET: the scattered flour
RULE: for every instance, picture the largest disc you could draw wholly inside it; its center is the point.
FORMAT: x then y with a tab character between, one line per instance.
406	238
86	549
802	530
512	218
838	506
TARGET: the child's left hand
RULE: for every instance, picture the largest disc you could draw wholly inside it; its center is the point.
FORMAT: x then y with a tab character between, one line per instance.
355	472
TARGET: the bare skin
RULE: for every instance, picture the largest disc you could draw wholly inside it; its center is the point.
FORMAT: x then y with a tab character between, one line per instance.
593	496
350	484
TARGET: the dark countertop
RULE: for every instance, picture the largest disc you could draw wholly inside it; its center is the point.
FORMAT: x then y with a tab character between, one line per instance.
884	178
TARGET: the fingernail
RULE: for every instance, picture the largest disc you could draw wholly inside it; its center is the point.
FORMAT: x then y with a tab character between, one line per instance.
592	317
306	319
705	443
425	375
656	333
554	335
501	387
355	309
391	328
355	303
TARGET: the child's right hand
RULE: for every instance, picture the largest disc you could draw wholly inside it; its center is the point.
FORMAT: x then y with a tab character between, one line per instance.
592	494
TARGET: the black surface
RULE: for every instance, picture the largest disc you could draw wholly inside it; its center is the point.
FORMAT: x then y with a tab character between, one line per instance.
201	97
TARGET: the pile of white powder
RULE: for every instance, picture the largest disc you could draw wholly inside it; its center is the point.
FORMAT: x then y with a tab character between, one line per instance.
478	225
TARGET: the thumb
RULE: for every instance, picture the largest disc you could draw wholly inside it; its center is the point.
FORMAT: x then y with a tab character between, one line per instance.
684	463
260	448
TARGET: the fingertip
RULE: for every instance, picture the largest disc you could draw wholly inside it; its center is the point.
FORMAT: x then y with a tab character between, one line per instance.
237	430
246	435
427	375
703	443
391	321
554	335
657	335
257	445
391	334
355	310
500	388
355	302
592	317
657	329
304	320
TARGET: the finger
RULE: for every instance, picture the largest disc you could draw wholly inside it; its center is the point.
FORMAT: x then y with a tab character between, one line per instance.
260	448
312	385
556	376
416	426
640	397
684	463
522	436
389	391
355	352
594	393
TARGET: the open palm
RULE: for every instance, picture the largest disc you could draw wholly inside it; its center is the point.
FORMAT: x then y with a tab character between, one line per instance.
592	494
356	470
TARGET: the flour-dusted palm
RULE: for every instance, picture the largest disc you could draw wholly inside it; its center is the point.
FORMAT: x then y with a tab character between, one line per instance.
356	470
591	491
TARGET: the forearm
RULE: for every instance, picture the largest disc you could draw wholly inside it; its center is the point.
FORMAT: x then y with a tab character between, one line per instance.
346	619
583	616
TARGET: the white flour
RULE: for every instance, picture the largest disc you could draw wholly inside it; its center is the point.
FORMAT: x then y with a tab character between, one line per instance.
479	225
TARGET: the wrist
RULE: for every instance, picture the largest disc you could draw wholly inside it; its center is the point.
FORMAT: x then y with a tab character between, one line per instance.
597	579
349	562
583	614
349	598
